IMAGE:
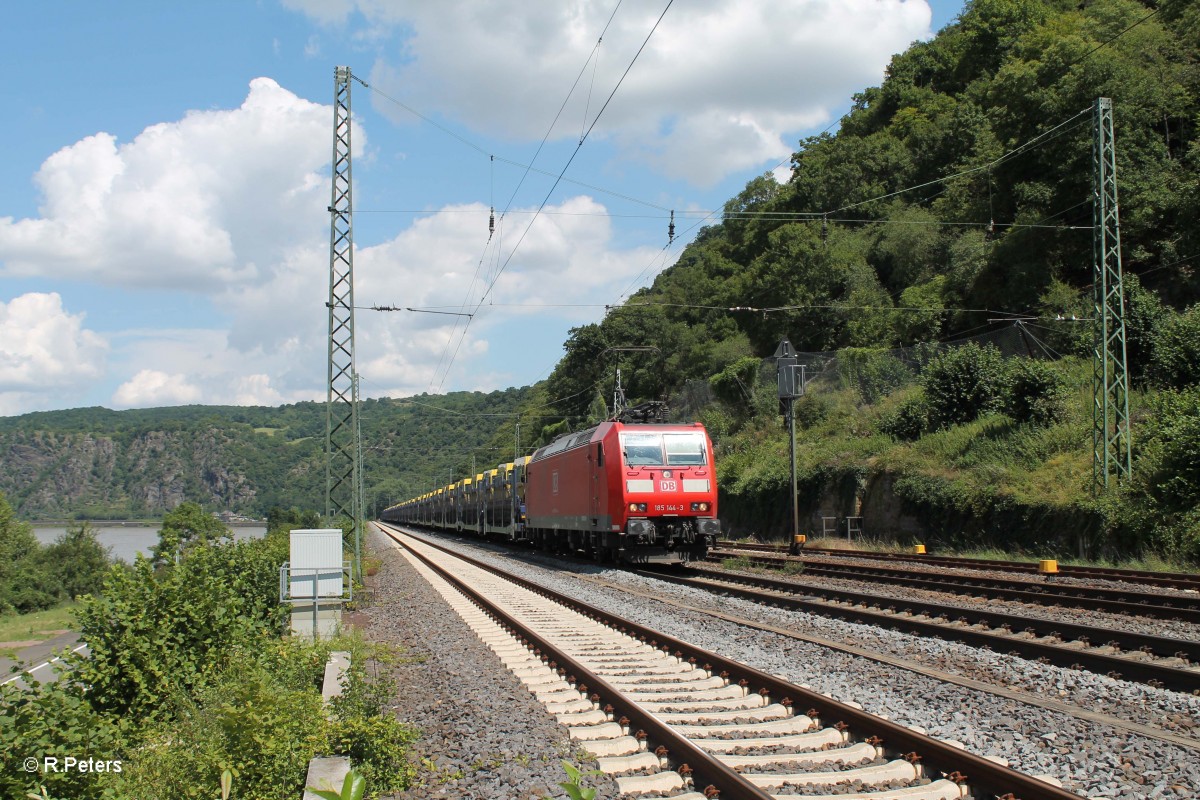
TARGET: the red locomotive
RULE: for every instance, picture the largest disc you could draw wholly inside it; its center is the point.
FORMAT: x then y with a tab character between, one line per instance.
641	492
633	489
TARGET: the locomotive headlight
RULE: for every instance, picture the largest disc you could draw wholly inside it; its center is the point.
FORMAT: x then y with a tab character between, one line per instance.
637	506
699	506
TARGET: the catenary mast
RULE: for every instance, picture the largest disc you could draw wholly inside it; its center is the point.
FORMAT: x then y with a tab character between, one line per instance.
342	434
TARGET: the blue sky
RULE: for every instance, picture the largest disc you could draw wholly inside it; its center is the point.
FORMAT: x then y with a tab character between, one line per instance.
163	223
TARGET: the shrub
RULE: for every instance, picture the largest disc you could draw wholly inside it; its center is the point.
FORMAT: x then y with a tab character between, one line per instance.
153	634
734	385
1177	350
16	543
364	728
54	719
1171	453
810	410
963	383
183	528
872	374
258	715
909	421
1035	393
78	561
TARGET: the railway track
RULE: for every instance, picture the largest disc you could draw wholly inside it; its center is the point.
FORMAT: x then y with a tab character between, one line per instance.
1169	580
669	718
1155	660
1041	591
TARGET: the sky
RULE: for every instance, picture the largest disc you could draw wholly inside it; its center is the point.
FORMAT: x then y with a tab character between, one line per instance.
164	224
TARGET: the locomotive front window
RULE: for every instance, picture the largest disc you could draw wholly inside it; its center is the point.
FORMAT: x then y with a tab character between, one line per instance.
647	449
685	449
642	449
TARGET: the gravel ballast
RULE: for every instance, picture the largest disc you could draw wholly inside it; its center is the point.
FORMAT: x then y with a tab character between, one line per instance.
483	735
1093	759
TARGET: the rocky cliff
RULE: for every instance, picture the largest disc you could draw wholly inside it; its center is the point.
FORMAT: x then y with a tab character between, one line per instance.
47	474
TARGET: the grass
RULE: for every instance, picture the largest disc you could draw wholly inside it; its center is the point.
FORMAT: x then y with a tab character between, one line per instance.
35	626
739	563
868	545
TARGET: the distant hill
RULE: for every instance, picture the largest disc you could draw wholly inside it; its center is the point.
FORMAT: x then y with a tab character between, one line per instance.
95	463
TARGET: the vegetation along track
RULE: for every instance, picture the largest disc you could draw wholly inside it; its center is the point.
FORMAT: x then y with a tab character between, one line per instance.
1041	591
1155	660
666	716
1168	580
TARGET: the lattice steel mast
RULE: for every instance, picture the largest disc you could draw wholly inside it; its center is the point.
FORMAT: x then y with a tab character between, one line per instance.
342	437
1112	453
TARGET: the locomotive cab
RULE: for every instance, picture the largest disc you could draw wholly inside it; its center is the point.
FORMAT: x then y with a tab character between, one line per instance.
669	493
635	492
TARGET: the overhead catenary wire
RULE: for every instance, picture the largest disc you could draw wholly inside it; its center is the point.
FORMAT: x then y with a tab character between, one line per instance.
990	225
528	168
508	260
969	171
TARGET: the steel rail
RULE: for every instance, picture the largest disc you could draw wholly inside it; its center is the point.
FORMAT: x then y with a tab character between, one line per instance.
984	777
1170	580
1143	604
703	766
1182	680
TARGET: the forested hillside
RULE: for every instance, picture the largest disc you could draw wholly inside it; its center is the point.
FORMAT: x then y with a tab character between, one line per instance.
954	199
956	192
93	463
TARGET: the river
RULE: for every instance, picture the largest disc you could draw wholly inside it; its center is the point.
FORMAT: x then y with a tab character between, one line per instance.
126	541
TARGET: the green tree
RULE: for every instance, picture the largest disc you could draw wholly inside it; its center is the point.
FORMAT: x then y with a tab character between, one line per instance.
1035	393
184	528
873	374
1176	345
77	561
963	383
17	545
154	633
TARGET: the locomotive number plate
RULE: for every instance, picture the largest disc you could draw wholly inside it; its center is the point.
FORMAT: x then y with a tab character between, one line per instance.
661	507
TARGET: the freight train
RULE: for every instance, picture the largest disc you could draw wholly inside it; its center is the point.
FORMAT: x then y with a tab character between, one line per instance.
633	489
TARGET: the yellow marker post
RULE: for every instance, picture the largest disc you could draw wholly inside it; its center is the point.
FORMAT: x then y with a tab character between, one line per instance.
918	549
1048	566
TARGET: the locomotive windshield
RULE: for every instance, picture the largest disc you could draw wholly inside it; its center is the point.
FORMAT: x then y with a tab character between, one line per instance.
663	449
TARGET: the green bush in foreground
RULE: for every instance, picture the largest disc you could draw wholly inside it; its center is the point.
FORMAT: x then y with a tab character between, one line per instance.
364	729
54	720
188	678
259	716
154	634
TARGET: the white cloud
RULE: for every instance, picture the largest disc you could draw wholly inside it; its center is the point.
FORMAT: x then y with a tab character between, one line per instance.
176	366
184	205
150	387
441	262
255	390
566	256
44	352
721	86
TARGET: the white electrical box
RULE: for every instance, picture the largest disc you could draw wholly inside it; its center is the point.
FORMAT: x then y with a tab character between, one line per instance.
316	563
